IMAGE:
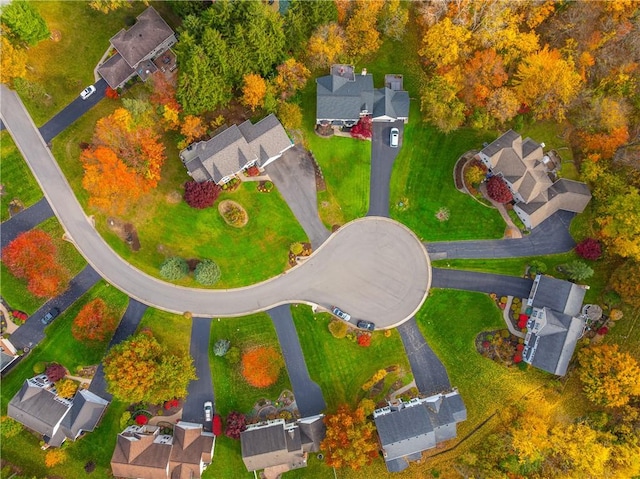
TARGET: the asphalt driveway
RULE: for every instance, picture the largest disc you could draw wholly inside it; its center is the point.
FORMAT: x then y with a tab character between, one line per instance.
72	112
24	221
382	158
550	237
201	389
309	398
428	371
502	285
294	176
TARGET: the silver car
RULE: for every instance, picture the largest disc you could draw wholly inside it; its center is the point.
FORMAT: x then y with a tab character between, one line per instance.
208	411
341	314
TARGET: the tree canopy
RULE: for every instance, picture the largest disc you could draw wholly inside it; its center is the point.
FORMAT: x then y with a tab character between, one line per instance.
23	22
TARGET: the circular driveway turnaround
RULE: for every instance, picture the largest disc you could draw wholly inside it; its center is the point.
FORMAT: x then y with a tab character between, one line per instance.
374	268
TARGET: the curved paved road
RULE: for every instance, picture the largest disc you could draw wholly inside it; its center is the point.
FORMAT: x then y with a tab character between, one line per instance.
374	268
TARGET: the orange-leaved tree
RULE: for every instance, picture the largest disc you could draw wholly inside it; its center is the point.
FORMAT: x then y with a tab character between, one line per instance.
254	90
292	76
95	322
32	256
192	128
351	439
261	366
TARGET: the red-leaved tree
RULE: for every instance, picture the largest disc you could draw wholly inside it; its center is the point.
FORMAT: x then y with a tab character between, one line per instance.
32	256
95	322
201	195
261	366
498	190
236	423
217	425
364	340
362	129
589	248
55	372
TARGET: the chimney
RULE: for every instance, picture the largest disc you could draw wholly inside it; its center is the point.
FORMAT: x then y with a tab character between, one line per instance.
364	71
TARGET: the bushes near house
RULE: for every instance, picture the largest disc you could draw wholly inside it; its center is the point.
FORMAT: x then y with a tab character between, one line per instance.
576	270
362	129
66	388
589	248
174	268
207	272
9	427
296	248
338	329
233	214
221	347
54	457
55	372
201	195
498	190
261	366
217	425
233	355
236	423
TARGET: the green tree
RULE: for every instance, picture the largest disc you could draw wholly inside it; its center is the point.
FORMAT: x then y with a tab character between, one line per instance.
576	270
393	19
174	268
9	427
440	105
24	22
207	272
140	369
301	20
106	6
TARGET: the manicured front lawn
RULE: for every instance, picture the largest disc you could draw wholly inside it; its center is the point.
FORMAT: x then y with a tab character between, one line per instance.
173	331
17	180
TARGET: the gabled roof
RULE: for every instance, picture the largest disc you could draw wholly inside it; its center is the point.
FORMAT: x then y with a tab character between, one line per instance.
561	296
116	70
86	411
149	31
266	138
391	103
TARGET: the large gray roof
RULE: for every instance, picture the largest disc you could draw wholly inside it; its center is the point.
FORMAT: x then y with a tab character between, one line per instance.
559	295
270	446
115	71
86	411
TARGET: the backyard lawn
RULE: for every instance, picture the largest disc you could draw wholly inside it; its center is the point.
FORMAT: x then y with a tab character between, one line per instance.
18	182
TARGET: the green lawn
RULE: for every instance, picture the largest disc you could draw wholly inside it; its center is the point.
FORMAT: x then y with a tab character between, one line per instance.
171	330
17	180
15	291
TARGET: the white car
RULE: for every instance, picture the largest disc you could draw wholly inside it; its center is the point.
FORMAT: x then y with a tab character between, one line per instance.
341	314
394	138
208	411
87	92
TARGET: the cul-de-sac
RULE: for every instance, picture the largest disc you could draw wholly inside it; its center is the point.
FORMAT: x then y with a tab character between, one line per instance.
319	239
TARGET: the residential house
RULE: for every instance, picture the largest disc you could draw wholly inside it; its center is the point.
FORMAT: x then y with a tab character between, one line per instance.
142	452
236	149
136	48
39	408
406	429
343	97
8	353
528	172
555	325
280	444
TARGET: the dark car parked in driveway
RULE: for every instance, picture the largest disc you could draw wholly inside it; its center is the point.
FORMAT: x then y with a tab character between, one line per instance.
362	324
50	316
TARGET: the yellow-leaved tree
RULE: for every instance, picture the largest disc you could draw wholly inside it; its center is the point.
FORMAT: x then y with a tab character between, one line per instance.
445	43
254	90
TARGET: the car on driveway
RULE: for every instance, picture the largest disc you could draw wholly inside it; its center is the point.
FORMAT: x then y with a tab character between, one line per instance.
50	316
87	92
394	138
368	325
341	314
208	411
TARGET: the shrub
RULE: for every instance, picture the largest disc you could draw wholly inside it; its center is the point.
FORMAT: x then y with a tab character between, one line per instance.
253	171
54	457
261	366
486	344
603	330
362	129
520	348
111	93
378	376
616	315
537	267
474	174
233	355
141	419
367	405
55	372
39	367
498	190
364	340
236	423
66	388
207	272
221	347
217	425
174	268
9	427
611	298
589	248
338	329
517	358
296	248
505	333
201	195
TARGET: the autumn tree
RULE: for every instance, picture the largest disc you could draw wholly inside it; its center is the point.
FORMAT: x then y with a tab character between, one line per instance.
483	74
201	195
55	372
301	20
9	427
192	129
164	91
498	190
502	104
350	440
292	76
140	369
23	22
440	105
290	115
55	456
33	256
547	83
609	377
106	6
393	19
13	61
326	46
589	248
624	281
261	366
95	322
445	43
66	388
254	89
361	31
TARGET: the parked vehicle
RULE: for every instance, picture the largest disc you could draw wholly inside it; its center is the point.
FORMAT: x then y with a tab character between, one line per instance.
341	314
50	316
394	138
87	92
368	325
208	411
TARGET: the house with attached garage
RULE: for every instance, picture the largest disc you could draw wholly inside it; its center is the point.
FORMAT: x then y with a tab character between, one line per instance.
137	48
407	429
281	446
144	452
236	149
343	97
38	407
555	324
530	174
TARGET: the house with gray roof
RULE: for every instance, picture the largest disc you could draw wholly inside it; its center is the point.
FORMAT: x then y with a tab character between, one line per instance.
528	172
136	48
343	97
39	408
142	452
276	443
555	325
236	149
407	429
8	353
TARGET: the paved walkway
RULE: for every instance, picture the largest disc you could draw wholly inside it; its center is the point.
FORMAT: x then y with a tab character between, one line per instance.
511	231
382	158
308	394
200	390
24	221
294	176
505	315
